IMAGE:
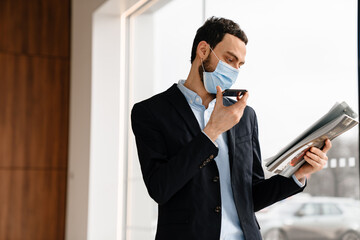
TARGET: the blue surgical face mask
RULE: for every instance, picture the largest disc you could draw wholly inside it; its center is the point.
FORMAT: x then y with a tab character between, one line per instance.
224	76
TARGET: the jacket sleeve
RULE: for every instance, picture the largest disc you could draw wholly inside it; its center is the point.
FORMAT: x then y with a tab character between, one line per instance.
164	174
274	189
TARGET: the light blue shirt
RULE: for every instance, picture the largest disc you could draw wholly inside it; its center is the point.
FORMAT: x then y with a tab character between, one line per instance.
230	224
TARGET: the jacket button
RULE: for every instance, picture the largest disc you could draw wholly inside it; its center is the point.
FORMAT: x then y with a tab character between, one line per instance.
207	160
212	157
218	209
216	179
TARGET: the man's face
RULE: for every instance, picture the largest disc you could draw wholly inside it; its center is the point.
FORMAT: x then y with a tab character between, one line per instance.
230	50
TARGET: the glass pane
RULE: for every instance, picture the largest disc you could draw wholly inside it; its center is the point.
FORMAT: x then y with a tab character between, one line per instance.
301	59
330	209
161	43
310	209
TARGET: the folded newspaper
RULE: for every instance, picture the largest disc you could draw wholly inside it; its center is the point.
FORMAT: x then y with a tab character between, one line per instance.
338	120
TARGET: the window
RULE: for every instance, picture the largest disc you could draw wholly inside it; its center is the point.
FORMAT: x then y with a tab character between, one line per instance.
161	41
295	71
301	59
330	209
309	209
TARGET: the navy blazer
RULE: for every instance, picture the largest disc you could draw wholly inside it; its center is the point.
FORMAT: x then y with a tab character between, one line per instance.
180	174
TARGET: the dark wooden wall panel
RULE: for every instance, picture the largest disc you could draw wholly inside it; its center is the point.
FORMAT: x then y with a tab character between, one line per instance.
34	119
29	204
37	27
35	96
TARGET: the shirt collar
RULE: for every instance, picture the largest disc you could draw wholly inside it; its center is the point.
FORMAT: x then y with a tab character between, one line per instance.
192	97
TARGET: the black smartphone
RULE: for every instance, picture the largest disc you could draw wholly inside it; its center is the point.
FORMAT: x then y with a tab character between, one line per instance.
234	92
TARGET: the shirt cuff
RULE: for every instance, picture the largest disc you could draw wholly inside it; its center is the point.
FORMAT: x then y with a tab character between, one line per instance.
216	145
298	182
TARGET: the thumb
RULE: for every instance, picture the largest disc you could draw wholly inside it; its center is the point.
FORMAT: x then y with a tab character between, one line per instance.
327	146
219	96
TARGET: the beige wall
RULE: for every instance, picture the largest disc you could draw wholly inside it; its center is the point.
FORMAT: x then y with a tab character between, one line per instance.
80	103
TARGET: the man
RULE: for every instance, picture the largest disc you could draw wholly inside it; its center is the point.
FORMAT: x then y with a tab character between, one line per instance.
199	152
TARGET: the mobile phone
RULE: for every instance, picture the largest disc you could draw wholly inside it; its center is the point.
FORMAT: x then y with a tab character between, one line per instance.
234	92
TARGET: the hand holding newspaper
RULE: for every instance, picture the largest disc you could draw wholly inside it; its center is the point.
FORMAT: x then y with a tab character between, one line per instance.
338	120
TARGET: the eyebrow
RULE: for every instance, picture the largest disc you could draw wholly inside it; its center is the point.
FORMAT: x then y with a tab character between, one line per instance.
232	54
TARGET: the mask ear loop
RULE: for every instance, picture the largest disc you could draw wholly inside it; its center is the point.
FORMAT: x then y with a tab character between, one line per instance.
202	60
214	53
202	65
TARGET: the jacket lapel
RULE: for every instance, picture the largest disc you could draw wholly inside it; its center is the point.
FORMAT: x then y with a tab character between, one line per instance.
230	136
178	100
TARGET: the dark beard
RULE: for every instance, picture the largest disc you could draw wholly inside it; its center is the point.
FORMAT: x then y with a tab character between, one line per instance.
207	67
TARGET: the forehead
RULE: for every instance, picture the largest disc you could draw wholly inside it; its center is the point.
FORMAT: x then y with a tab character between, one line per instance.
233	44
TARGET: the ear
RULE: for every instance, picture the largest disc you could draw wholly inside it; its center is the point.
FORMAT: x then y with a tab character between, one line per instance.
202	50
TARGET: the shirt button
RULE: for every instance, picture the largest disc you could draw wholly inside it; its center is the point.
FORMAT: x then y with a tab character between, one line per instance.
198	99
218	209
216	179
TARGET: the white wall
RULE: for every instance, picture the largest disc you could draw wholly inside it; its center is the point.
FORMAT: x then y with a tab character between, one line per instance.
94	141
105	109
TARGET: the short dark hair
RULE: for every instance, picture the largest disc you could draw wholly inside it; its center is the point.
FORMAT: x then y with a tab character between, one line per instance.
213	32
